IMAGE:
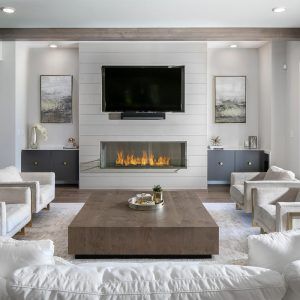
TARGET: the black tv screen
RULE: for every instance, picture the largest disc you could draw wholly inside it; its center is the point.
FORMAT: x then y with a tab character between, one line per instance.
142	89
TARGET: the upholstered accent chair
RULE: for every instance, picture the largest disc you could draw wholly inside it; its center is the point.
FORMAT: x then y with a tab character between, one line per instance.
274	208
242	184
41	184
15	210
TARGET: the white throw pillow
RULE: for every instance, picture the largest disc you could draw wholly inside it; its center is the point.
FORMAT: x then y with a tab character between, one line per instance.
18	254
274	250
276	173
10	174
155	281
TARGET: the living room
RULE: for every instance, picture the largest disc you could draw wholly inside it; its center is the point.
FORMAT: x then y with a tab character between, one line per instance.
151	150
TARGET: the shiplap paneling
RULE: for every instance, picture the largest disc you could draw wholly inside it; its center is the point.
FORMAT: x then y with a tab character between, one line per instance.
190	126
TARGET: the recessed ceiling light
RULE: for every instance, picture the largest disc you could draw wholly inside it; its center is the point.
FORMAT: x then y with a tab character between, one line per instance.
8	10
279	9
52	45
233	46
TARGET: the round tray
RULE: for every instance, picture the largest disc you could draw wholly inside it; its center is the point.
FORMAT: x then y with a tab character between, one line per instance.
132	204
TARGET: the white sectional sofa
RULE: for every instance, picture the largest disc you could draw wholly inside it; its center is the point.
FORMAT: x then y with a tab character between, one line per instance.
35	274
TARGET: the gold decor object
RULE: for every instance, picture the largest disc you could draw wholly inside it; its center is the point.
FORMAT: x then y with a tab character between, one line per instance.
157	194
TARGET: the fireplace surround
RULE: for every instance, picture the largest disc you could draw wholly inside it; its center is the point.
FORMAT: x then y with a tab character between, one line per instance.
143	155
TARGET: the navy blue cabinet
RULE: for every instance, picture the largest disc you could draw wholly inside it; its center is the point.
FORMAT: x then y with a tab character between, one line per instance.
64	163
221	163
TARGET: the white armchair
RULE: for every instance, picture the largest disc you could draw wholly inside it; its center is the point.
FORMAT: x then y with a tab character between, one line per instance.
15	209
273	208
41	184
242	184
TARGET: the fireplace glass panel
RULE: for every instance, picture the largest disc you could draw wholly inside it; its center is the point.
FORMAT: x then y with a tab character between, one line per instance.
163	155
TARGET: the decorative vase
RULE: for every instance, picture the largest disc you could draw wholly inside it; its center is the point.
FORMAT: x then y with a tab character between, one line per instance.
157	197
34	142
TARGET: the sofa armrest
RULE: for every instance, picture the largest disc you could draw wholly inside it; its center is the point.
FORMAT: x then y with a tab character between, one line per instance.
249	186
282	211
2	219
14	195
34	189
241	177
41	177
263	196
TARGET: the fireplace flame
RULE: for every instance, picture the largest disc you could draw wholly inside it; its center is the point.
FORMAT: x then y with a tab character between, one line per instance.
143	160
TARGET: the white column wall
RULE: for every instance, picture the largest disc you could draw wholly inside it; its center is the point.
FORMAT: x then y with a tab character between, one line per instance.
191	126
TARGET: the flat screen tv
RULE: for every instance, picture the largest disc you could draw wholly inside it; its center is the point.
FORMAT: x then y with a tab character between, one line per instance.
143	89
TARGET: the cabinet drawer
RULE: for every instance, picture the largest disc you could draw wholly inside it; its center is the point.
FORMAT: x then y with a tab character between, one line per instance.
65	165
36	161
220	165
248	161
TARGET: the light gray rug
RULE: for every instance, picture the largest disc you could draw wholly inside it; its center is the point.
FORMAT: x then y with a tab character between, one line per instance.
235	227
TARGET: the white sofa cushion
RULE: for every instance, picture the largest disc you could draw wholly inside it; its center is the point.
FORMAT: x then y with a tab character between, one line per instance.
146	281
274	250
10	174
18	254
3	290
292	277
276	173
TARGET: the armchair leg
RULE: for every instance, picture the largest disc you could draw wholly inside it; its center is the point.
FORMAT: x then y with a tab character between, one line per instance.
47	207
262	231
29	224
21	232
238	207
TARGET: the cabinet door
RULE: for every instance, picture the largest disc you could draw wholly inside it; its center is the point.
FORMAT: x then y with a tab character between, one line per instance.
66	166
36	161
220	165
247	161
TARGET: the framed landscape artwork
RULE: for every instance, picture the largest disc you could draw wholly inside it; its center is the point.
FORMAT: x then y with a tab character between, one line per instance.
56	98
230	96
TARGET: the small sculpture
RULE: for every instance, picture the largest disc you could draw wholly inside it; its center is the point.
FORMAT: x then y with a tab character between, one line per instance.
38	132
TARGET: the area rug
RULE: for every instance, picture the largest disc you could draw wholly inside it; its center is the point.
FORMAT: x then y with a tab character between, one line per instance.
235	227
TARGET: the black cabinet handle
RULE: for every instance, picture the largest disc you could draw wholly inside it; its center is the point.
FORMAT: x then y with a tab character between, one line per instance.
249	163
220	163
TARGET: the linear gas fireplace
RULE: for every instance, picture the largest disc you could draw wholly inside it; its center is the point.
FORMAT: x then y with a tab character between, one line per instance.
147	155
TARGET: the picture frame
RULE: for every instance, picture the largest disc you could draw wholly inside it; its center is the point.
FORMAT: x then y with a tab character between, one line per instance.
230	99
56	96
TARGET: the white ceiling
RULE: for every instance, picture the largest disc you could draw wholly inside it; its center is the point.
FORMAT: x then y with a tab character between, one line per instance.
150	13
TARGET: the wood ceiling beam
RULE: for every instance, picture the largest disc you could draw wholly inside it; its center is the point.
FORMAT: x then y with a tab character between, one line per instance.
148	34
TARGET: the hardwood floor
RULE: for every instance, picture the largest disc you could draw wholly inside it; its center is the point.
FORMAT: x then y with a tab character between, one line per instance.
72	194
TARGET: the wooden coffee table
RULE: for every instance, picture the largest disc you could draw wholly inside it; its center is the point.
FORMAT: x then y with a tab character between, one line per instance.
106	226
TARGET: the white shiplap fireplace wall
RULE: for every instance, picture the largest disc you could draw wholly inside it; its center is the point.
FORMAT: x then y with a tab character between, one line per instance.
191	126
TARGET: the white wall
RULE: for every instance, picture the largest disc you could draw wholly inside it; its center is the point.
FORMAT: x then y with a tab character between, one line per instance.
1	56
8	105
265	96
278	107
293	107
21	79
45	61
234	62
190	126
